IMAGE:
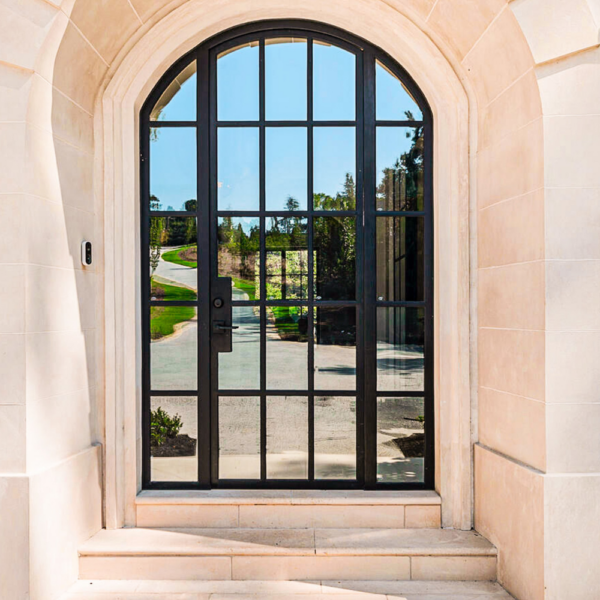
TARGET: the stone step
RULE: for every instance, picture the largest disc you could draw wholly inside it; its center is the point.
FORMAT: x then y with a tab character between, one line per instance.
288	554
289	509
288	590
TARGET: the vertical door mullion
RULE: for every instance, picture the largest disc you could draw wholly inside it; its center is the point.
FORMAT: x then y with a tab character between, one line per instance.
310	316
360	270
145	242
370	320
429	458
263	265
208	230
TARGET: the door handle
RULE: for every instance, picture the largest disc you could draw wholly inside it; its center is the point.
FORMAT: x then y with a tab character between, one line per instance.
219	326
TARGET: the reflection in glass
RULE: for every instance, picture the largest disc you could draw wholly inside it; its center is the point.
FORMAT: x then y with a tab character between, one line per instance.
237	170
174	438
239	438
287	347
393	103
400	440
399	168
285	79
334	168
240	369
400	349
286	168
400	242
172	168
287	437
173	258
237	83
334	83
335	438
178	101
335	257
173	348
335	348
238	241
287	258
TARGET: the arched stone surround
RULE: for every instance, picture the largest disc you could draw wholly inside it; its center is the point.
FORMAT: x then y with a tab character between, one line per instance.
69	68
180	31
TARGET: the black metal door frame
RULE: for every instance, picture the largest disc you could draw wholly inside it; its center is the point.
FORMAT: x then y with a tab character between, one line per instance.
365	303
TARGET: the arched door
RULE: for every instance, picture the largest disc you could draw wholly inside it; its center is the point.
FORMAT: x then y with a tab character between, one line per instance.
287	269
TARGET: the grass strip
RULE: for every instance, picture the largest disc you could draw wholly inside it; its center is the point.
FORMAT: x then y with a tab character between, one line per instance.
164	291
173	256
163	319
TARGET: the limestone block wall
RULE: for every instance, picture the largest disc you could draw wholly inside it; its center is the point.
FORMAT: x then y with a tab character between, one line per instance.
531	69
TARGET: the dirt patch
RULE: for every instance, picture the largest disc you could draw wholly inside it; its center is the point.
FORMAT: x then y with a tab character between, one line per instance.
180	445
189	254
412	446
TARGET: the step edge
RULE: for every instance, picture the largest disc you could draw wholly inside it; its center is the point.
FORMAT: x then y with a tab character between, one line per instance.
322	552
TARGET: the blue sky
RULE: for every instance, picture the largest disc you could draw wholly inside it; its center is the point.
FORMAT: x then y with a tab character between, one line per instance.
173	151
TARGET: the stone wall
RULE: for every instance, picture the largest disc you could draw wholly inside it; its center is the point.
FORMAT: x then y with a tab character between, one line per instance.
531	72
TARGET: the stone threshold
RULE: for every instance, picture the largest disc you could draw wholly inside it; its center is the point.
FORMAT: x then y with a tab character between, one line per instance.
288	497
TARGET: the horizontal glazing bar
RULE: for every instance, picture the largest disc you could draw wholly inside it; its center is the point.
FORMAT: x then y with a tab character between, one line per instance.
185	393
300	393
410	394
401	304
172	213
154	124
287	123
284	214
173	303
399	213
398	123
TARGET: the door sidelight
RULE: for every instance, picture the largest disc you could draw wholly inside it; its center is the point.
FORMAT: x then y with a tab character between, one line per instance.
221	315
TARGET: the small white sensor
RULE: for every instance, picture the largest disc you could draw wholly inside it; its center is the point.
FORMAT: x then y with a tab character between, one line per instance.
86	253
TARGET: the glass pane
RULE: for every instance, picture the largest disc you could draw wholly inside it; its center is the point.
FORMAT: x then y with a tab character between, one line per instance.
178	101
286	168
173	258
285	79
400	263
335	438
287	347
239	438
287	258
174	438
173	348
394	103
400	349
334	246
334	168
238	168
400	440
240	369
173	183
335	348
287	437
400	168
237	83
334	83
239	255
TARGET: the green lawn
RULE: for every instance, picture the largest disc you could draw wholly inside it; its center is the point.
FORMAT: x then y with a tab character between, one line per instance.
173	256
163	291
163	319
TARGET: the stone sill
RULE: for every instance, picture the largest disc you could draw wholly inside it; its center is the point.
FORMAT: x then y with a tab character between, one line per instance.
288	497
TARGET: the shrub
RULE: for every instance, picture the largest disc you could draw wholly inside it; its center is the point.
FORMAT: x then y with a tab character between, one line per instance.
163	426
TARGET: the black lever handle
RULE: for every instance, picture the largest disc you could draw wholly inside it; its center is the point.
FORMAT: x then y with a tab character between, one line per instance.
220	326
